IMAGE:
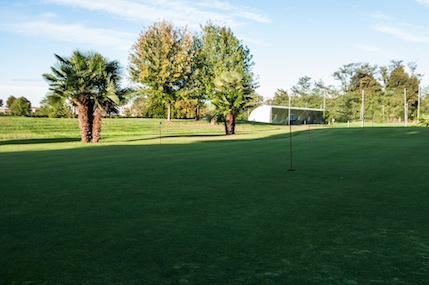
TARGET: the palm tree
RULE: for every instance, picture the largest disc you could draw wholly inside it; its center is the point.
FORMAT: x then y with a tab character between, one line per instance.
90	82
108	93
231	96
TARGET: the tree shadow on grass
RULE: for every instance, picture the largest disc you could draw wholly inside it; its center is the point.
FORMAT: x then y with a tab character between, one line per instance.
176	136
39	141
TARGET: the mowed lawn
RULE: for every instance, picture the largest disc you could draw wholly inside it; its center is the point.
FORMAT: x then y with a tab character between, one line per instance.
196	207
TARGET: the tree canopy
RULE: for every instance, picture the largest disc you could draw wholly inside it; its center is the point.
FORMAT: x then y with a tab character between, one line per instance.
180	70
181	74
19	106
161	62
227	76
383	88
10	101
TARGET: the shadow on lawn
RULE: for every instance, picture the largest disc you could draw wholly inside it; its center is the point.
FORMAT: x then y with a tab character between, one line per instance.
406	131
139	204
176	136
39	141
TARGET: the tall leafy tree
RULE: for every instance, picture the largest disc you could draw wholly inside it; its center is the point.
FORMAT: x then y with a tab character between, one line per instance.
355	78
90	82
424	105
398	80
55	107
10	101
281	98
224	55
365	80
20	107
145	106
222	51
161	62
303	87
196	94
307	93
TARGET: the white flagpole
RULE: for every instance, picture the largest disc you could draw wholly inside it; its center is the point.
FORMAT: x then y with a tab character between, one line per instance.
290	140
362	113
324	106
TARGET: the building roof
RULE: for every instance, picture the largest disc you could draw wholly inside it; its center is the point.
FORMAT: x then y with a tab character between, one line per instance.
294	108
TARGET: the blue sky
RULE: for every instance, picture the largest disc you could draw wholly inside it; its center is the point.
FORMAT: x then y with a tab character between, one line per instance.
288	39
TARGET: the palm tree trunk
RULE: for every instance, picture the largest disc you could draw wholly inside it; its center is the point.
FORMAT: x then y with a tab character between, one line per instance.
96	126
230	123
85	120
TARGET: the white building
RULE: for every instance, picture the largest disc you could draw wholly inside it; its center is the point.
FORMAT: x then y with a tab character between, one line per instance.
279	115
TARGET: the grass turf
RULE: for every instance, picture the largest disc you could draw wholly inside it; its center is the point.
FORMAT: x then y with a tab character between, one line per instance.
201	210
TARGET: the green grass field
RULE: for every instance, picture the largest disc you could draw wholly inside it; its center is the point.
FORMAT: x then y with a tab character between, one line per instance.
197	207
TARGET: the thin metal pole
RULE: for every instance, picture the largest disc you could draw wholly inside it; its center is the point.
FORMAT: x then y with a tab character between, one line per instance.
160	124
363	113
290	140
405	107
418	104
290	148
324	106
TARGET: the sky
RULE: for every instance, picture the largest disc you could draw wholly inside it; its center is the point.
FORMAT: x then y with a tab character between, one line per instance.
288	39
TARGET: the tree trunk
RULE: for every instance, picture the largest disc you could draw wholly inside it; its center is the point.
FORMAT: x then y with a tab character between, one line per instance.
197	113
85	114
96	126
169	112
230	123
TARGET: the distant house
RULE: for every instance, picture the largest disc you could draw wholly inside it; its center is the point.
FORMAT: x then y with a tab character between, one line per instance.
34	109
122	109
4	110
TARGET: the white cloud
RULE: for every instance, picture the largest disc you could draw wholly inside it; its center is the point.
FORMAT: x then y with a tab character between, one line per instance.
424	2
242	12
180	12
76	33
49	15
403	34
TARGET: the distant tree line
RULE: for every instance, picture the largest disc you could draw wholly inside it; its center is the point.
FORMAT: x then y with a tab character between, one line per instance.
178	74
383	88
